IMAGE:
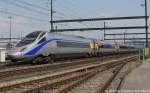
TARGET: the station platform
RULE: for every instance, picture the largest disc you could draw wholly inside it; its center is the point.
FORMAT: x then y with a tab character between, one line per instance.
138	81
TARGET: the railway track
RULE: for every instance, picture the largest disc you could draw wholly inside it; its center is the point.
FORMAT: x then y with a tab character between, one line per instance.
10	64
65	80
107	82
29	71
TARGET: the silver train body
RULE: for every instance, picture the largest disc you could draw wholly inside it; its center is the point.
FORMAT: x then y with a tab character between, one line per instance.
48	45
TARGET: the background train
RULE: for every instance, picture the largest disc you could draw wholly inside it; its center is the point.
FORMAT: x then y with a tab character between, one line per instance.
43	46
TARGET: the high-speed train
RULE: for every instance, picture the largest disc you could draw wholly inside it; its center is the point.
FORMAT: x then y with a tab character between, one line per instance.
40	45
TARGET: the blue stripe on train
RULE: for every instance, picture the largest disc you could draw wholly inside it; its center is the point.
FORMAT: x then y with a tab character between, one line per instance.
37	48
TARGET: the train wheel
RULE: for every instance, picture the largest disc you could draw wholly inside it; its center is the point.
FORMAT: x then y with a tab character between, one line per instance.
37	60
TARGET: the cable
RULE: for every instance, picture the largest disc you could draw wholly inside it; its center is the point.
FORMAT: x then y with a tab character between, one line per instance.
19	23
33	18
59	13
72	10
41	26
59	17
69	8
25	7
32	5
62	14
79	7
20	12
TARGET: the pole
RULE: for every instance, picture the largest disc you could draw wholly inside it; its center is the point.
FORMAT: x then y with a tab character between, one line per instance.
104	30
143	55
56	29
124	37
146	20
10	21
140	56
20	35
51	16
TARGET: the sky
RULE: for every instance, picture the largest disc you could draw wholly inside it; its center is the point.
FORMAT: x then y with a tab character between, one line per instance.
34	15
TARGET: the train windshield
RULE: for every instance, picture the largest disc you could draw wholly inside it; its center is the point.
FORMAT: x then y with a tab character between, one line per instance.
28	39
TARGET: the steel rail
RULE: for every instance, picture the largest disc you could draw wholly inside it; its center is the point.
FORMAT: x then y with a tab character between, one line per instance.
82	80
108	82
75	80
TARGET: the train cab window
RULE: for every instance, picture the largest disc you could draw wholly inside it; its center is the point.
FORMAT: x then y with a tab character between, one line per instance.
25	41
42	40
30	38
42	34
33	34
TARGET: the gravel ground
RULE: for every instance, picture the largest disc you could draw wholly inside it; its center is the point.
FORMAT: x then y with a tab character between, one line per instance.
92	85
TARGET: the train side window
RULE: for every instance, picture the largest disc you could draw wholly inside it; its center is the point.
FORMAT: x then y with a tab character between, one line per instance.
106	46
72	44
42	40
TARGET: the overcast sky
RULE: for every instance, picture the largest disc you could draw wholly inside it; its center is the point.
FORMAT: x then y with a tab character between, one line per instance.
32	15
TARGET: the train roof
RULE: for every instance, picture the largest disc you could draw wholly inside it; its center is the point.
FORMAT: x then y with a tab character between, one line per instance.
82	37
72	36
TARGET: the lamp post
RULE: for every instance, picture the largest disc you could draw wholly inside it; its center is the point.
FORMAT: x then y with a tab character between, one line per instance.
104	30
10	21
124	37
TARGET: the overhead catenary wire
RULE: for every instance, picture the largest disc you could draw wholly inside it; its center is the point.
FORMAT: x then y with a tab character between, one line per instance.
73	8
75	15
29	17
66	7
32	5
20	23
24	13
25	23
79	7
60	15
63	15
24	7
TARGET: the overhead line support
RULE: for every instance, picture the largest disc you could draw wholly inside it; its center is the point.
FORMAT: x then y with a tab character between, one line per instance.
146	20
98	19
127	39
51	22
106	28
126	34
10	24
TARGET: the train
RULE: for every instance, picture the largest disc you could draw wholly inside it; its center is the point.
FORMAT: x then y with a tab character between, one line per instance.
42	46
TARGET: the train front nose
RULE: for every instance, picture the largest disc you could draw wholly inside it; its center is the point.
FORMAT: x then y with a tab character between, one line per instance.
14	54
